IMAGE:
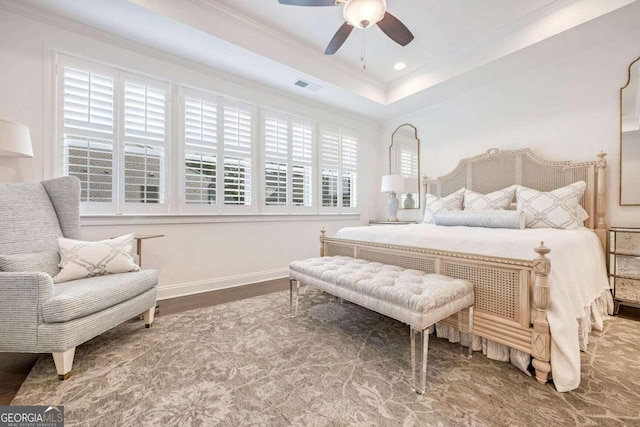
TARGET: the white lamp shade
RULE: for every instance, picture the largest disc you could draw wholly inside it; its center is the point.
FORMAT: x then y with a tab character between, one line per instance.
15	140
364	13
392	183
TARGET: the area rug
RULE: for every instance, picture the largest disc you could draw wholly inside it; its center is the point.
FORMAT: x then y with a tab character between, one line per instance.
247	363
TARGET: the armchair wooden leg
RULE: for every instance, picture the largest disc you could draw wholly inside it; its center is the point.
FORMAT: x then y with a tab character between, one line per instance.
148	316
63	362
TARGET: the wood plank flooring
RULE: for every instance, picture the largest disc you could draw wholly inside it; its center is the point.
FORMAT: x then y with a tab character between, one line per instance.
14	367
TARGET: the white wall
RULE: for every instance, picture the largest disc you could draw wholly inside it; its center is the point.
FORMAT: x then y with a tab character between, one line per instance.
192	256
563	109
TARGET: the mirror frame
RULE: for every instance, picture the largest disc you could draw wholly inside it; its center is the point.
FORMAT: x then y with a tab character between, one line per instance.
621	89
415	135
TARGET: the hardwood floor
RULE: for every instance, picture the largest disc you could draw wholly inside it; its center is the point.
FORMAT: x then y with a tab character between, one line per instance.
14	367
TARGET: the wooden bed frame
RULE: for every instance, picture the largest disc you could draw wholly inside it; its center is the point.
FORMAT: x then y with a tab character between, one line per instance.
506	290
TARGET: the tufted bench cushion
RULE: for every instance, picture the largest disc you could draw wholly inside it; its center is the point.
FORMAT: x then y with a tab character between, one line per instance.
410	296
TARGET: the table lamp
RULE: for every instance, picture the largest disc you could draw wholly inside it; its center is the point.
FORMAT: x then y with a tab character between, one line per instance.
15	140
392	184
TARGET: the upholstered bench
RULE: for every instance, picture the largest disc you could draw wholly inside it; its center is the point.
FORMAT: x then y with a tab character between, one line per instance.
413	297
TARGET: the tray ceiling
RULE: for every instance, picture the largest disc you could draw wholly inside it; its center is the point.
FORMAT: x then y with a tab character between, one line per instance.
458	44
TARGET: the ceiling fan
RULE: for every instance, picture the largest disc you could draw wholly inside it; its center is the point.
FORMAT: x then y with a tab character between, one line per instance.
361	14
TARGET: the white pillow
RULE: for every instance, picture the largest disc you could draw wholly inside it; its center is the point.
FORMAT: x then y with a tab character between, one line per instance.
555	209
498	200
79	259
435	204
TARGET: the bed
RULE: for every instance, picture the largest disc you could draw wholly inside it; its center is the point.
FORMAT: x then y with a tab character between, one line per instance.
537	300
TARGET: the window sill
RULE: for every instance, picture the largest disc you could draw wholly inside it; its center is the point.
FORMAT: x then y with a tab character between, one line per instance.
95	220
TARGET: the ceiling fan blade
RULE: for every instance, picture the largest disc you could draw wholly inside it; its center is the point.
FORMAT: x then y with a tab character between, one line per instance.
338	38
395	29
308	2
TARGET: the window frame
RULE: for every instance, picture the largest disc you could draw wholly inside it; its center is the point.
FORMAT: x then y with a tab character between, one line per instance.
290	120
339	165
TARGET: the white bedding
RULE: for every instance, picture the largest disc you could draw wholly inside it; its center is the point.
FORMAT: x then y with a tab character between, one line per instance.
578	276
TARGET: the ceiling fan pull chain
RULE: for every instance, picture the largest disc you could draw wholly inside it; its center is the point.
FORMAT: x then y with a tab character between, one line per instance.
363	51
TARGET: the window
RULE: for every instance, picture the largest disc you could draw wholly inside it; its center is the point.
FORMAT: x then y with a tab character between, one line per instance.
117	133
338	160
288	162
209	119
113	137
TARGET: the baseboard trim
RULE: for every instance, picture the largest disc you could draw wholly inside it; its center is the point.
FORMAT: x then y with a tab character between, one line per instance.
197	287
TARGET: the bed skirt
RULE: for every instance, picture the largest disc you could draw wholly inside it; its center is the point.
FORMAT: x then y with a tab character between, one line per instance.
594	317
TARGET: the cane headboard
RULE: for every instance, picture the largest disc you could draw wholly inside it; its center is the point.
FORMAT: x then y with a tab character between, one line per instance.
497	169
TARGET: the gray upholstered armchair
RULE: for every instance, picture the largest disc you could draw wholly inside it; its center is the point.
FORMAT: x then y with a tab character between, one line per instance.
38	316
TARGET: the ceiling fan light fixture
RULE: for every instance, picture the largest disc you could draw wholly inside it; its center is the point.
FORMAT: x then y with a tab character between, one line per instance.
364	13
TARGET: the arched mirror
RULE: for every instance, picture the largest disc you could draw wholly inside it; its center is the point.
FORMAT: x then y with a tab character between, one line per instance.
630	138
404	159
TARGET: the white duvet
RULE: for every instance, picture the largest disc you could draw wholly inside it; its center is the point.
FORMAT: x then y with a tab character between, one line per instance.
578	276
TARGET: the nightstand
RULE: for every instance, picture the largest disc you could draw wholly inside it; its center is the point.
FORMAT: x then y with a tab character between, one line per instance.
383	222
624	266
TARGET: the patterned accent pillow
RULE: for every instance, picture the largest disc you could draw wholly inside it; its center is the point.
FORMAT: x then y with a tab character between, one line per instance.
45	262
555	209
498	200
435	204
79	260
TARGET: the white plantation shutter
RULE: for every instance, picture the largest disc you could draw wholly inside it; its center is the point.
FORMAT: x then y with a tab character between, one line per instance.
288	163
238	151
200	150
143	159
276	154
349	158
302	161
114	132
339	169
330	165
408	163
87	120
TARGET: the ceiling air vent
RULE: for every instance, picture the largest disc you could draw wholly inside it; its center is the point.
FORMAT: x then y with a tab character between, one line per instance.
307	85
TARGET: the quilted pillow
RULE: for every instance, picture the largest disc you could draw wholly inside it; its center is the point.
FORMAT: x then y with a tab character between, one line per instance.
435	204
555	209
45	262
486	219
79	260
498	200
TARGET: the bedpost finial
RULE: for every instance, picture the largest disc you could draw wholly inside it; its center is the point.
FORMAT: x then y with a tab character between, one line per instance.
542	250
602	162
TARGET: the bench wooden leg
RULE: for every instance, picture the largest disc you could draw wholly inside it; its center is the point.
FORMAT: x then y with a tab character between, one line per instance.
468	353
419	349
293	299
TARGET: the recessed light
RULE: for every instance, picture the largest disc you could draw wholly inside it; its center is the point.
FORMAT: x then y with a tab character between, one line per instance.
399	66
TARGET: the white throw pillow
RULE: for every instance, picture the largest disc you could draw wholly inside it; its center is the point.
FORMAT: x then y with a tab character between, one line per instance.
79	259
435	204
555	209
498	200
